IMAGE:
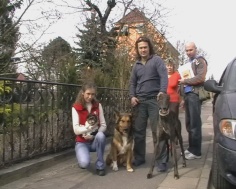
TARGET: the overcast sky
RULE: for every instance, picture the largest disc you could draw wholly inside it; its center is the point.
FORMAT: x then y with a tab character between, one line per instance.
208	23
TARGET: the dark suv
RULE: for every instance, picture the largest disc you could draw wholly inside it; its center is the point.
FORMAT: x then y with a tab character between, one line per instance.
224	121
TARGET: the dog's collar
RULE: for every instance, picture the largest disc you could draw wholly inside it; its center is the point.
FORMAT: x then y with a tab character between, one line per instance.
164	130
161	114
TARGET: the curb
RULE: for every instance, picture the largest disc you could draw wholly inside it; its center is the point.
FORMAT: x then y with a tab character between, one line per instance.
204	179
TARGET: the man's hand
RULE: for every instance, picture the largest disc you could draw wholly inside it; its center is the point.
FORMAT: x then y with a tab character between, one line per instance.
159	94
181	81
134	101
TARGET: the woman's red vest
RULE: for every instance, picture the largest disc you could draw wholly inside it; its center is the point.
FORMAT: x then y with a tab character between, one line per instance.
83	113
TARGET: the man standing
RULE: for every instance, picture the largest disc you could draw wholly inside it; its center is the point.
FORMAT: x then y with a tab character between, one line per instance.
148	79
192	103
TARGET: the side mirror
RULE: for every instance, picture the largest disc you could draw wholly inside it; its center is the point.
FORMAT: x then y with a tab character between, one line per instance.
212	86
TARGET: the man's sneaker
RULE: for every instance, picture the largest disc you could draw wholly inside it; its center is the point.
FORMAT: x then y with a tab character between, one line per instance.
161	167
186	152
101	172
190	156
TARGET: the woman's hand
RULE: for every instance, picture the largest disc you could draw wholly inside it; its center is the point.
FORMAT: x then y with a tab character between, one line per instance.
89	137
92	127
182	105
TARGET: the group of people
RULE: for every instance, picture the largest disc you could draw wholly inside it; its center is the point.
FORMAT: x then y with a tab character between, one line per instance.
150	76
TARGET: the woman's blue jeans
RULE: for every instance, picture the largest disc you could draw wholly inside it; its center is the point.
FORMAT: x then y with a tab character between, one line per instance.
83	149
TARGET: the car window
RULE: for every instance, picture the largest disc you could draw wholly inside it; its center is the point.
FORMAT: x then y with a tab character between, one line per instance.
222	79
232	77
229	77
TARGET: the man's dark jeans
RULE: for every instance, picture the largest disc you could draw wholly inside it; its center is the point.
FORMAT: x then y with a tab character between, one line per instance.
146	110
193	122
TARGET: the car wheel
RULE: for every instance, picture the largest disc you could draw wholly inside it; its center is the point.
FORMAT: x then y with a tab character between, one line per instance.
218	181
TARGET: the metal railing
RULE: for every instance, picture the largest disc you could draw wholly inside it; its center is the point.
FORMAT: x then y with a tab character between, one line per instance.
35	117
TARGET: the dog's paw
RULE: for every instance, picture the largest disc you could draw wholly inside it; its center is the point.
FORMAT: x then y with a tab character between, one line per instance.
130	169
89	127
149	175
176	177
114	166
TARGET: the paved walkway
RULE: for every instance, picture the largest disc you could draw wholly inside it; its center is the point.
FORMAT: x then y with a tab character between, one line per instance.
61	170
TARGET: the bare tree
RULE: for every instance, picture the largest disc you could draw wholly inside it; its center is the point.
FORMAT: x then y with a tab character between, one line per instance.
38	16
19	25
109	13
35	19
180	46
9	33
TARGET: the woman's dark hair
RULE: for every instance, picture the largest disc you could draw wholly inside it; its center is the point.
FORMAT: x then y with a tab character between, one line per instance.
150	45
84	87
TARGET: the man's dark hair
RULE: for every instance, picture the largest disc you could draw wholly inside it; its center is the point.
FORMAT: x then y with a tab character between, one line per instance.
150	45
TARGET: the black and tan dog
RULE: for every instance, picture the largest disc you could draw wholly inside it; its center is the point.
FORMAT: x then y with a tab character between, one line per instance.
121	151
170	129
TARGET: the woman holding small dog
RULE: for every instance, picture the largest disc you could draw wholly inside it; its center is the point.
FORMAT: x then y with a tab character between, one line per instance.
84	105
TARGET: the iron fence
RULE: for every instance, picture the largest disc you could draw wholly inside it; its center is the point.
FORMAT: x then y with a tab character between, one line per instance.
35	117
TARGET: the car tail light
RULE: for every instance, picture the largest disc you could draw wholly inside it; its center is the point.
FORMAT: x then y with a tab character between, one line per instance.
228	128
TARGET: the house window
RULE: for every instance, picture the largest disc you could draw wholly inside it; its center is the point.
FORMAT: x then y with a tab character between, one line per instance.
139	28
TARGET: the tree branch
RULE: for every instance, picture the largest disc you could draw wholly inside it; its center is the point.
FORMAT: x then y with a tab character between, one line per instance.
103	19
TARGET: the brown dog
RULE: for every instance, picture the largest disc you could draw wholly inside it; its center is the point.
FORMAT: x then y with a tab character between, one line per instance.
121	151
170	129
